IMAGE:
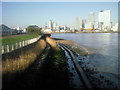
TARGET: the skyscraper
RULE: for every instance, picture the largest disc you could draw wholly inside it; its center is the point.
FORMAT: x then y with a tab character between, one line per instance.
91	20
101	16
79	23
91	17
104	19
107	18
50	25
54	25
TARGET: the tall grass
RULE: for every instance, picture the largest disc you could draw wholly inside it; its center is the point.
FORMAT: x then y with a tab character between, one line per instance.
52	42
75	47
19	64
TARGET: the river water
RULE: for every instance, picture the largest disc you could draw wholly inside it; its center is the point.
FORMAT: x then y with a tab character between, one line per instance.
104	47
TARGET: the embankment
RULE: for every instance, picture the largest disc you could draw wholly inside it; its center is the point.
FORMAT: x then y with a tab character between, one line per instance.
16	62
21	70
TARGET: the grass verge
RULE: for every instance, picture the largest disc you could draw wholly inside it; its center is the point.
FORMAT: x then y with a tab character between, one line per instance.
17	38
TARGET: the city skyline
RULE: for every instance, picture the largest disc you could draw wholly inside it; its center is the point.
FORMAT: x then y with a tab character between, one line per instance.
63	13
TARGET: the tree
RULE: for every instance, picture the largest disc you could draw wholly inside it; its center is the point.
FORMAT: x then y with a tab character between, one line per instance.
33	29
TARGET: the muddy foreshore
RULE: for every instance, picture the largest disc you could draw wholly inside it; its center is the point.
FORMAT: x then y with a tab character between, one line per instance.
98	79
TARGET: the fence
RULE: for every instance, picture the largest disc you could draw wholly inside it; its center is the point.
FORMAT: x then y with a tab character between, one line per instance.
14	46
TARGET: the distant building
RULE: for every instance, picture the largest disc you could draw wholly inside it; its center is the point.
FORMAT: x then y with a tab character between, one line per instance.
72	29
96	25
64	27
89	26
101	16
115	27
46	30
50	24
57	28
79	23
4	30
84	24
91	20
62	30
107	18
104	19
54	25
19	30
68	28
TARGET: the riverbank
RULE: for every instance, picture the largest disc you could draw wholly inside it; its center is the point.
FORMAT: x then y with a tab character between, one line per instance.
52	71
101	79
74	46
104	46
98	79
42	72
88	32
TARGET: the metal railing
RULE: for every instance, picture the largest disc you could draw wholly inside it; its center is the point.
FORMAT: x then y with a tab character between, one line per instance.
10	47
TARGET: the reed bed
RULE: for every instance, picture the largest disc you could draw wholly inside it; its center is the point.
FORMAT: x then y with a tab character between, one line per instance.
68	42
52	43
12	65
75	47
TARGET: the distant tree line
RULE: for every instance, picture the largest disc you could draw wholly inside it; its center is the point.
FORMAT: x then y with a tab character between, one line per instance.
33	29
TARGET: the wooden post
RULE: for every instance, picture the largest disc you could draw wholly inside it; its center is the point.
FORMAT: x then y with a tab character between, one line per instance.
12	47
16	45
23	44
7	48
29	41
20	44
26	42
2	49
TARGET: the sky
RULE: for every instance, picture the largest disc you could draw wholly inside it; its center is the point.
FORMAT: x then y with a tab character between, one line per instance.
63	13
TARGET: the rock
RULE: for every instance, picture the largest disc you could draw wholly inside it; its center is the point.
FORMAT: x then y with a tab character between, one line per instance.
101	76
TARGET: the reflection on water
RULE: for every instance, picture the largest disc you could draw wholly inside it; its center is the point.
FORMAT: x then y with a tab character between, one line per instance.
104	46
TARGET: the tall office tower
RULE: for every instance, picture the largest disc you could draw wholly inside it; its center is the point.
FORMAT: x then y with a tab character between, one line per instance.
79	23
101	20
54	25
50	24
91	20
107	18
101	16
104	18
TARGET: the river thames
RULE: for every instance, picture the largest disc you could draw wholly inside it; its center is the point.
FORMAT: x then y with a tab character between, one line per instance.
104	48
